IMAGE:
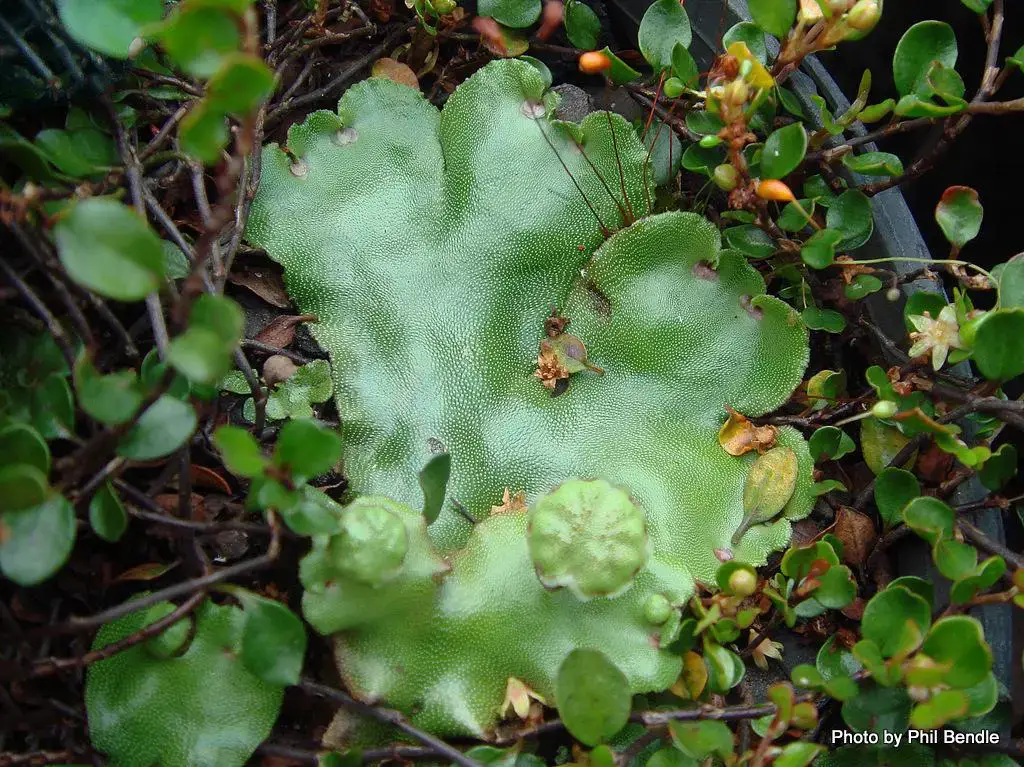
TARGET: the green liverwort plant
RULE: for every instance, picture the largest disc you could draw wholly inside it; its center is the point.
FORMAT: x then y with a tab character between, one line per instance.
434	289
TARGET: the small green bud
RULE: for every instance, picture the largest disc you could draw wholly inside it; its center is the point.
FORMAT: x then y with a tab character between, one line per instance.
726	177
736	93
746	68
710	142
588	536
743	583
372	542
657	609
441	7
884	409
864	15
171	641
673	88
892	294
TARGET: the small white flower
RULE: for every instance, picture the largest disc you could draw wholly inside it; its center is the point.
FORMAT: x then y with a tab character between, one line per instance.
938	336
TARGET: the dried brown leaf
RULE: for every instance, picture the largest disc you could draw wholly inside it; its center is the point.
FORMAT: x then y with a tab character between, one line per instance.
857	533
265	283
739	435
395	71
511	503
280	331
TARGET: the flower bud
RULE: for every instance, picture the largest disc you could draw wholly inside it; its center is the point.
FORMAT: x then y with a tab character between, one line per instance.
743	583
884	409
710	142
657	609
892	294
594	62
673	88
864	15
726	177
736	93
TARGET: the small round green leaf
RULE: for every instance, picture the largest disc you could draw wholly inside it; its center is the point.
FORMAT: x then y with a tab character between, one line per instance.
111	399
862	285
107	516
820	249
999	344
959	641
830	444
198	37
1000	468
20	443
109	26
959	215
240	85
886	617
204	133
592	696
923	43
823	319
203	352
162	429
22	486
784	150
878	710
664	25
37	540
699	740
929	517
106	247
750	240
773	16
582	26
306	448
850	213
894	489
751	34
240	451
512	13
273	639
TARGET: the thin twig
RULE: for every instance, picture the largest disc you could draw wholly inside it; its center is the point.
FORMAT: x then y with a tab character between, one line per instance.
78	625
51	666
389	717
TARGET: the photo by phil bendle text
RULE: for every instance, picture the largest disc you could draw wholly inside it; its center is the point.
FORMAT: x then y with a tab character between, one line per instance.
896	739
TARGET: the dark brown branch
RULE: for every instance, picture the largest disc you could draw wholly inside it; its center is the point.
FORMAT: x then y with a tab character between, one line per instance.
992	547
78	625
51	666
389	717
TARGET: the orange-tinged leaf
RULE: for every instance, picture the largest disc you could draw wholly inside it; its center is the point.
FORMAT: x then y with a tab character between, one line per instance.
693	678
395	71
146	572
739	435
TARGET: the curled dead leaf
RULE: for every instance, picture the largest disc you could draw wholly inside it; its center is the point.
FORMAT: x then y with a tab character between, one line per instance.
857	533
146	572
278	368
692	679
265	283
739	435
395	71
280	331
511	503
209	479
